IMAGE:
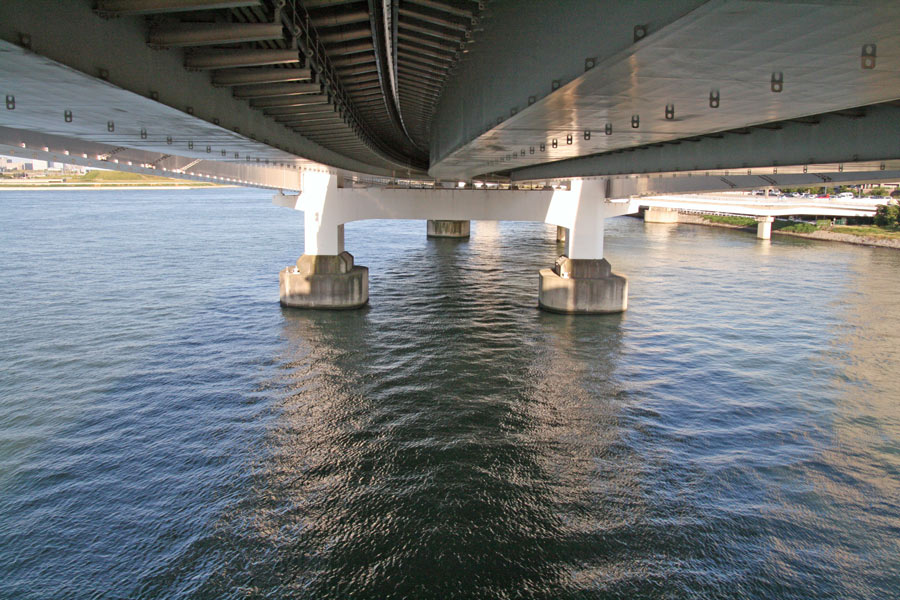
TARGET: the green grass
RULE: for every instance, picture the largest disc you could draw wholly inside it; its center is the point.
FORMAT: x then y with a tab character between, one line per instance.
802	227
868	230
106	178
794	227
119	176
729	220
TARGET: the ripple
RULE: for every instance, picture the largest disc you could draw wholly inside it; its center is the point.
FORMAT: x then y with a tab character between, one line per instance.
169	432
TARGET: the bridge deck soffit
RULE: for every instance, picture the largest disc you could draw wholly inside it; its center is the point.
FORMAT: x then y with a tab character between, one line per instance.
726	65
117	56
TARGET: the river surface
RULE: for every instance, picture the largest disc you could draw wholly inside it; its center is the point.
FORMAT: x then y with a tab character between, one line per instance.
168	431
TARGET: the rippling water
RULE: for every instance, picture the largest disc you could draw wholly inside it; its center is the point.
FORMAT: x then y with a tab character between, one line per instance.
167	431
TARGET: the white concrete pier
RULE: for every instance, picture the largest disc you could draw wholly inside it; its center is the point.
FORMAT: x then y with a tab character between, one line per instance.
764	227
581	281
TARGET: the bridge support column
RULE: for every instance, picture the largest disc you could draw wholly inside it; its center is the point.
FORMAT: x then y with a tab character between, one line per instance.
660	215
582	281
325	276
448	229
764	227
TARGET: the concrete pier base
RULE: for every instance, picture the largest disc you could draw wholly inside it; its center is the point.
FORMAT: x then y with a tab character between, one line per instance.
324	282
582	286
448	229
561	233
764	228
660	215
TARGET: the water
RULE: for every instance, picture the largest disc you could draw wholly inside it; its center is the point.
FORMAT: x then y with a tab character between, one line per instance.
168	431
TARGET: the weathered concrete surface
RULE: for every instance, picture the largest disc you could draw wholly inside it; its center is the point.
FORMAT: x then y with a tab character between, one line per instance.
324	282
585	286
561	233
660	215
448	229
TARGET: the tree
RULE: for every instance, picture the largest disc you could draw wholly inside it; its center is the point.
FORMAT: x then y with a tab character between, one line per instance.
887	216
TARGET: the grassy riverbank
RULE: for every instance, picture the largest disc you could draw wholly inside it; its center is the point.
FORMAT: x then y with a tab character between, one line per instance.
868	231
871	235
730	220
99	179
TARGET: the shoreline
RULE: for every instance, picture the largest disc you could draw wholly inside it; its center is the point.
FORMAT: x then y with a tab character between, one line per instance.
43	188
821	235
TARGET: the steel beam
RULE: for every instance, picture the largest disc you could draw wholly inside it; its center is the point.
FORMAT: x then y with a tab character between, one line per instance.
276	89
300	120
352	35
238	57
350	49
433	20
420	72
313	132
312	127
321	116
440	61
337	20
440	6
420	83
310	4
304	100
302	125
150	7
437	43
358	70
340	63
300	110
330	124
228	77
167	35
429	31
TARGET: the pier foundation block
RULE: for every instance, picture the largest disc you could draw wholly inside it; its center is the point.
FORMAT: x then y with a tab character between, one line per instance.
448	229
582	286
660	215
324	282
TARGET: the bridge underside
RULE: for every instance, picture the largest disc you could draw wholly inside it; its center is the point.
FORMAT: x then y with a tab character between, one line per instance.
64	115
464	89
